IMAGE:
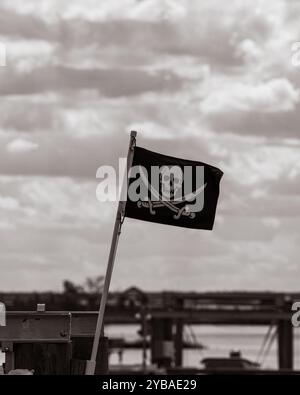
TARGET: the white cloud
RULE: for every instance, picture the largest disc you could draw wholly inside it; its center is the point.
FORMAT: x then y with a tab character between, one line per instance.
152	130
6	225
258	165
249	50
21	145
47	202
100	10
271	96
26	55
272	222
9	203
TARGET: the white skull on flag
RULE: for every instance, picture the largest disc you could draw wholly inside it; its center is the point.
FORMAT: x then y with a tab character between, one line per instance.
171	182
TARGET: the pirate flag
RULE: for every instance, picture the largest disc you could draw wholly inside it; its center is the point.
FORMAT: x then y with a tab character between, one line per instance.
172	191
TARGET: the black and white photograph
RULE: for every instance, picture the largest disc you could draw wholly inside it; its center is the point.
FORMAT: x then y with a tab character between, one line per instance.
149	190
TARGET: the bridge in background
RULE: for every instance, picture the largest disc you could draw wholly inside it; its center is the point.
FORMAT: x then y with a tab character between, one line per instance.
67	335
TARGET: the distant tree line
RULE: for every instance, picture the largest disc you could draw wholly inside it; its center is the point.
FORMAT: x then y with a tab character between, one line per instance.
90	286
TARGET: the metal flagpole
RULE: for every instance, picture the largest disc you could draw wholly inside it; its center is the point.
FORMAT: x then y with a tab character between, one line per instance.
91	364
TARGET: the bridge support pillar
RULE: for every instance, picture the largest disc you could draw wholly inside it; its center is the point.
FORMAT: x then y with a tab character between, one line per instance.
285	344
179	343
162	345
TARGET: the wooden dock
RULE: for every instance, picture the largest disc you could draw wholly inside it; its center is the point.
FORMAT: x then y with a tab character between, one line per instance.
66	336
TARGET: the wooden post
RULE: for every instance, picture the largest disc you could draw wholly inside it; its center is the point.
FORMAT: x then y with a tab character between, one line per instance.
8	348
91	364
179	343
285	335
285	344
179	325
81	351
144	338
43	358
162	345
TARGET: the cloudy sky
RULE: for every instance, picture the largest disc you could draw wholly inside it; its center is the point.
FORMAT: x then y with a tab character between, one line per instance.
207	80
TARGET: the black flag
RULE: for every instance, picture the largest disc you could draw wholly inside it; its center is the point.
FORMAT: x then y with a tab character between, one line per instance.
172	191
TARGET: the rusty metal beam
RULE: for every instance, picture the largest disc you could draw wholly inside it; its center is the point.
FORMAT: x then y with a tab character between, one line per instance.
35	327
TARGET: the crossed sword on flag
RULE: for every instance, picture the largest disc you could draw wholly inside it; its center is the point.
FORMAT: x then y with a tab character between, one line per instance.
185	211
